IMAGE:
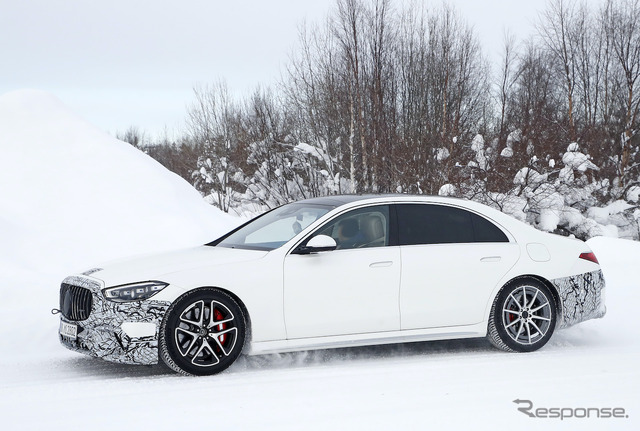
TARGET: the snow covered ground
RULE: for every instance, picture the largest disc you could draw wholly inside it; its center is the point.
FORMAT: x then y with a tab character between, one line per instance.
72	197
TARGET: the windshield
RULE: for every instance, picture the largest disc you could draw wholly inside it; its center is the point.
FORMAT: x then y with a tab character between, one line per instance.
275	228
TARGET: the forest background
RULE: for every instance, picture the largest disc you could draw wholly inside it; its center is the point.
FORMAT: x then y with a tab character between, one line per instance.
397	98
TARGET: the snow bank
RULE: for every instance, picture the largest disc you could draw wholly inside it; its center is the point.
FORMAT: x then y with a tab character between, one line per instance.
73	196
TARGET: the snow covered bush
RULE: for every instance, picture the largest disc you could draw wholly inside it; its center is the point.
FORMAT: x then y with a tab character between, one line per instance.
219	180
562	197
284	172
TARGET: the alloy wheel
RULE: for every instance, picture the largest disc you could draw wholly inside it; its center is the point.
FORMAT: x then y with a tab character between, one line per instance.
527	315
203	332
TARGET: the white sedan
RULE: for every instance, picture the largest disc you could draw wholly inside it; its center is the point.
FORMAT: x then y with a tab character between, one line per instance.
333	272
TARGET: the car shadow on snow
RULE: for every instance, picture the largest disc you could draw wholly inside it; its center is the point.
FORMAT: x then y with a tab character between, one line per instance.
461	349
425	350
89	366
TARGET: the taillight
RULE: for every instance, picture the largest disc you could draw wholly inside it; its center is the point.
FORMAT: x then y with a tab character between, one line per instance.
591	257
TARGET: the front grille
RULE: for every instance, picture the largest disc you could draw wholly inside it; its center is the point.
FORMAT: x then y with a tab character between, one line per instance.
75	302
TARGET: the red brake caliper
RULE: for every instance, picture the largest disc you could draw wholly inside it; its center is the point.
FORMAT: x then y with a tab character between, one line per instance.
221	327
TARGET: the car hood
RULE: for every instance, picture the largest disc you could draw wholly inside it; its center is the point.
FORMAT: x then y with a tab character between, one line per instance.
155	266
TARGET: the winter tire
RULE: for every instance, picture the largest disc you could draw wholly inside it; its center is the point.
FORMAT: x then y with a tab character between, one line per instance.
523	316
203	333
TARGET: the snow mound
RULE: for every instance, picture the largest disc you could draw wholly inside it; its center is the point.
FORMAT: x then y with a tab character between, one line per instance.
577	160
633	194
73	196
529	176
477	143
447	190
506	152
442	154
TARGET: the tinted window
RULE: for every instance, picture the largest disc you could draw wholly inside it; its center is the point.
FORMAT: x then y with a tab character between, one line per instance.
439	224
485	231
433	224
360	228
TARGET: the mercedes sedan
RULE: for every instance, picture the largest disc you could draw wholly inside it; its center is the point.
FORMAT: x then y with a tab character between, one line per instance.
333	272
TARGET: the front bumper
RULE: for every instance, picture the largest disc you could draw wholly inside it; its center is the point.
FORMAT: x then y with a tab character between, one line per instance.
581	297
103	334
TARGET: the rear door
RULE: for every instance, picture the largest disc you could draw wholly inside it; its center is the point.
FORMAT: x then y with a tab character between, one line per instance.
452	259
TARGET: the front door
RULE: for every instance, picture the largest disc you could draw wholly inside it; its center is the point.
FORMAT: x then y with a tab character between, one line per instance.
351	290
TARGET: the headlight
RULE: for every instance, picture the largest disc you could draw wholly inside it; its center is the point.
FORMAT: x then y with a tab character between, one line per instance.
134	292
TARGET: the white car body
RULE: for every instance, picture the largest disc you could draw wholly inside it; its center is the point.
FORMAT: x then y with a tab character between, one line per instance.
354	297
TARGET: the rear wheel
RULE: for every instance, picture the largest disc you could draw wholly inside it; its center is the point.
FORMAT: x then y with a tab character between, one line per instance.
523	316
202	333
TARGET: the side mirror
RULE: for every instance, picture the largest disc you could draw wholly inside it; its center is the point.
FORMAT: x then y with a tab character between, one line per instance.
317	244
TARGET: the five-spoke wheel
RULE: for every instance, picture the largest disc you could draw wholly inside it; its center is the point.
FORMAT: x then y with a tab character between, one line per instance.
523	316
202	333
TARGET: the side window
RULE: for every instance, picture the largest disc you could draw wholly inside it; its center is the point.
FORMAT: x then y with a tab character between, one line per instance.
433	224
485	231
440	224
360	228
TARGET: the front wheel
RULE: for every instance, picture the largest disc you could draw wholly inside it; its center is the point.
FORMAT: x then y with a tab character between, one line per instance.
523	317
202	333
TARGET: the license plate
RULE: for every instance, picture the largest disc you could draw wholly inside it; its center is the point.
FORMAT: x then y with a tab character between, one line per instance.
68	330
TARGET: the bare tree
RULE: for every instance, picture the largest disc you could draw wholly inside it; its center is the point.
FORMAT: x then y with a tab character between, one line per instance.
557	29
347	28
213	123
133	136
623	27
317	100
506	80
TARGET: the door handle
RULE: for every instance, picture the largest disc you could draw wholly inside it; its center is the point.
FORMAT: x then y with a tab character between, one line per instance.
491	259
381	264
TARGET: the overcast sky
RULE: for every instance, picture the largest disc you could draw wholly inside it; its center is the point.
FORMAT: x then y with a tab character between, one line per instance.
119	63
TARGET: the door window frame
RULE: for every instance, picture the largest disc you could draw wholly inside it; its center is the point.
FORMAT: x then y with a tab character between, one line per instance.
392	225
438	204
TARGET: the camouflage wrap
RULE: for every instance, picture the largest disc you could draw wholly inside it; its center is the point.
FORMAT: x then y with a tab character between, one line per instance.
581	296
101	334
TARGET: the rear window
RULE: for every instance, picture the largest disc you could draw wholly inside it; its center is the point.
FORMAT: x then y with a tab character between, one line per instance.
440	224
485	231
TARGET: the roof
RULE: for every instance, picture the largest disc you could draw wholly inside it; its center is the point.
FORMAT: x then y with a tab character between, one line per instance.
339	200
336	200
